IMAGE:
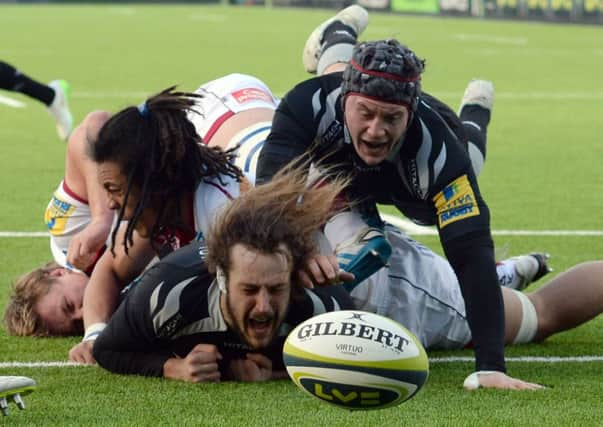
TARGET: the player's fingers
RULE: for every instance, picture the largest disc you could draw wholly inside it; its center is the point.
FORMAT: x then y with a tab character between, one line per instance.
247	370
524	385
314	271
73	252
81	356
209	349
260	360
345	276
89	358
207	377
329	266
305	280
206	368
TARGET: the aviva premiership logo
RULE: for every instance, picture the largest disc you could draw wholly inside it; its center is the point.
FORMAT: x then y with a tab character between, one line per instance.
455	202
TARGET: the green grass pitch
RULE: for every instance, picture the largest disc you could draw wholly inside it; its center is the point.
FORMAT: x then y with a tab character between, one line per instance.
543	173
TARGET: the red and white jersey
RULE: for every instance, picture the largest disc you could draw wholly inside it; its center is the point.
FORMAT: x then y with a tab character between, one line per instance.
225	97
210	197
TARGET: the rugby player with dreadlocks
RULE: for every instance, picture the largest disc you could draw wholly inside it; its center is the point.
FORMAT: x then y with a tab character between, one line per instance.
166	186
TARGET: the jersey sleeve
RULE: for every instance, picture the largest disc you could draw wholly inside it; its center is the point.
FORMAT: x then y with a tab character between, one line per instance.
137	338
127	345
472	259
463	221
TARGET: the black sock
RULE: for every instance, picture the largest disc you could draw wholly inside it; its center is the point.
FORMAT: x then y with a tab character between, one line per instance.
12	79
337	33
475	124
475	121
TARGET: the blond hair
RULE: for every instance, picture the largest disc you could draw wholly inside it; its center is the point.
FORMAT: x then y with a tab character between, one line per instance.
20	316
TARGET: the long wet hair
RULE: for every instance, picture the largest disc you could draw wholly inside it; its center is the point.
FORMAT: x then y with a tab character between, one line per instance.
157	147
284	213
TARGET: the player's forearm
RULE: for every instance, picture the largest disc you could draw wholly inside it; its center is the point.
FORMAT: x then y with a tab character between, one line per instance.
129	363
101	295
474	265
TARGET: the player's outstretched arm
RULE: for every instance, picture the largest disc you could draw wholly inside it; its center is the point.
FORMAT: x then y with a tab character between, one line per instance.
110	275
81	175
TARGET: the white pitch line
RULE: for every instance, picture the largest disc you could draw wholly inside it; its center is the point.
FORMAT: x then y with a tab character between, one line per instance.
417	230
24	234
57	364
11	102
524	359
451	359
405	225
530	96
517	41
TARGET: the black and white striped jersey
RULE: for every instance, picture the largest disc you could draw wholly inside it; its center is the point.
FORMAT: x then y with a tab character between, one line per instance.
430	179
175	306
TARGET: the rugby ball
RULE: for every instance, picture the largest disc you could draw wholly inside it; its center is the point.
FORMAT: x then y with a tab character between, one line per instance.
355	359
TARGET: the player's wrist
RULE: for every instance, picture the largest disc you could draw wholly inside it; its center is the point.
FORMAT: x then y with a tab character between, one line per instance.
472	380
93	331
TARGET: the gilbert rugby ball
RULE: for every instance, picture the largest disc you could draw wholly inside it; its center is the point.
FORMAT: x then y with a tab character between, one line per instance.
356	360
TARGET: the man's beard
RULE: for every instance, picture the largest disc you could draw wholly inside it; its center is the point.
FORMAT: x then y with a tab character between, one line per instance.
236	327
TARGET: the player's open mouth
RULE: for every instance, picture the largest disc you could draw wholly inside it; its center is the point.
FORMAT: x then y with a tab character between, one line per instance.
375	146
261	326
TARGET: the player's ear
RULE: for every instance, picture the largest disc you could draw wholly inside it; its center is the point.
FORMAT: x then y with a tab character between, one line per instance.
57	272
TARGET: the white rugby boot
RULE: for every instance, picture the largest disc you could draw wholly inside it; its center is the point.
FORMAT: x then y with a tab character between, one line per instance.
59	108
14	387
478	92
354	16
527	269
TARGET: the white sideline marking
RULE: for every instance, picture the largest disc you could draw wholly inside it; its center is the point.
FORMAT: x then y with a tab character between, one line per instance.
452	359
57	364
524	359
517	41
417	230
534	96
406	225
11	102
23	234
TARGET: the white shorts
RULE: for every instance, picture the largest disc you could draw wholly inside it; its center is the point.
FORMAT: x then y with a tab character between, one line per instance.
66	215
225	97
420	290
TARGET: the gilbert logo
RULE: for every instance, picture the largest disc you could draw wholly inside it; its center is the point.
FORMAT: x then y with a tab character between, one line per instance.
352	329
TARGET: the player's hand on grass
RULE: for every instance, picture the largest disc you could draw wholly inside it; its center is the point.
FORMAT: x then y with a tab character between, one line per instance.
82	353
323	270
499	380
256	367
199	366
